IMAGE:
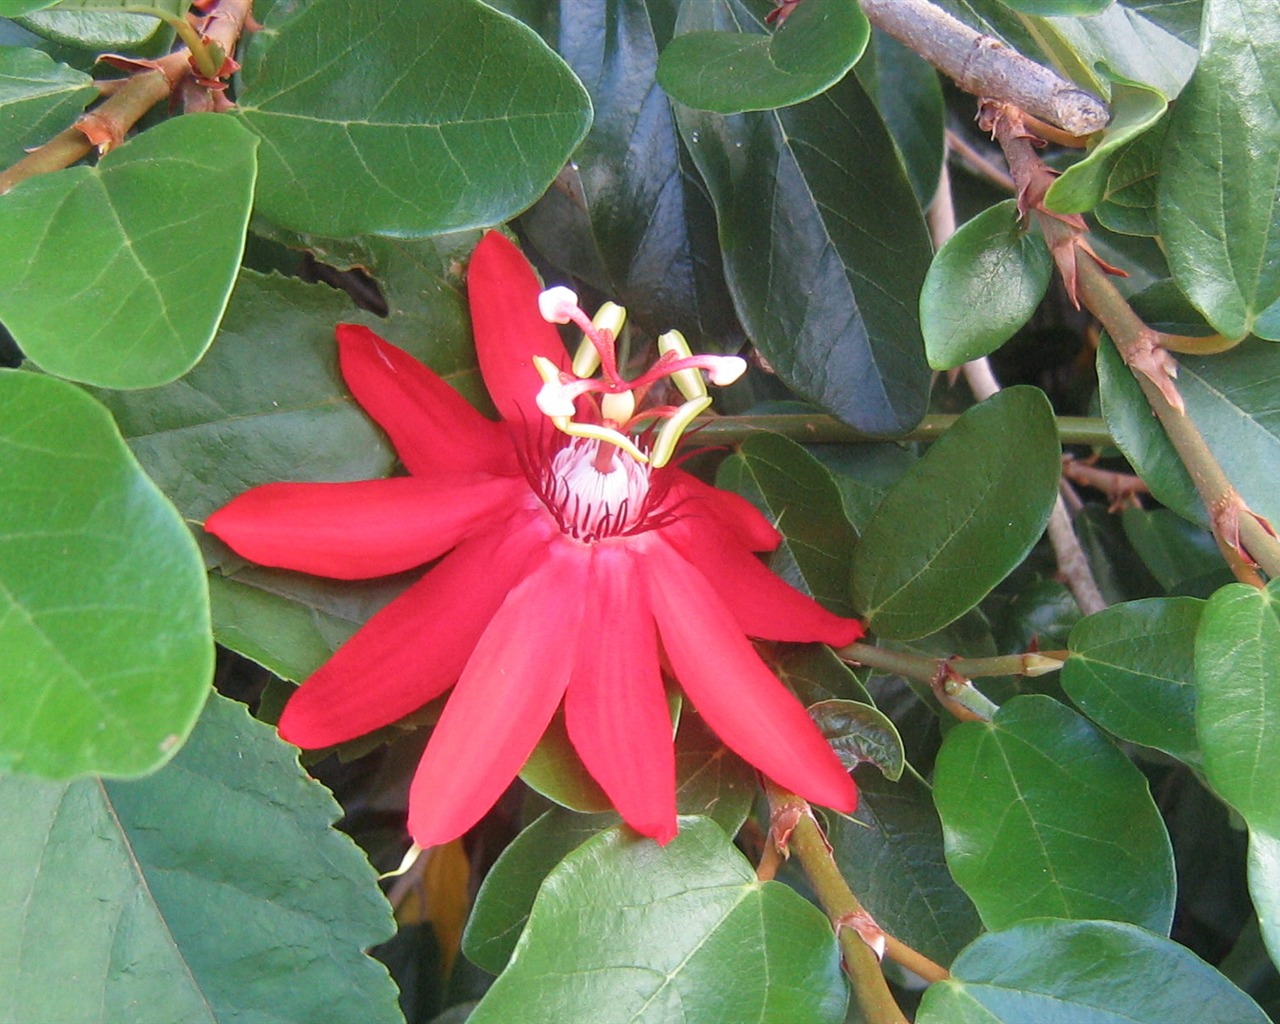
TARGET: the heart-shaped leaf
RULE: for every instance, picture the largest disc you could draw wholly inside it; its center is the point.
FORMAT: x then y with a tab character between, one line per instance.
138	254
38	98
1044	817
433	118
104	616
961	518
731	72
212	890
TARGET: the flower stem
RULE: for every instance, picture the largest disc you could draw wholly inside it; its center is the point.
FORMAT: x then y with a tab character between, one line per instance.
817	428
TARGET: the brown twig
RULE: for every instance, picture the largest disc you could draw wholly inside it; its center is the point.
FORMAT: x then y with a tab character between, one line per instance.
1121	489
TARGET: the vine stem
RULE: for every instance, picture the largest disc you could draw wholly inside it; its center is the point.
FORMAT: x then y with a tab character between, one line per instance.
821	429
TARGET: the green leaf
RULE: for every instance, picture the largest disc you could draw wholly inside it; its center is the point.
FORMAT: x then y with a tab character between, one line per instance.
1043	817
433	119
861	733
983	285
1134	109
824	246
1219	201
1132	670
961	518
732	72
38	98
692	935
1129	202
137	254
891	854
213	890
1237	649
1053	8
1083	972
104	617
1182	557
16	8
797	494
101	24
815	673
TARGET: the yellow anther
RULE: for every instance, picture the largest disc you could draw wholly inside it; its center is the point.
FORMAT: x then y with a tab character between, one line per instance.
689	382
669	433
547	370
595	433
609	317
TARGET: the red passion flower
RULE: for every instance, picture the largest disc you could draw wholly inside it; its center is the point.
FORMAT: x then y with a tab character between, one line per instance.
577	564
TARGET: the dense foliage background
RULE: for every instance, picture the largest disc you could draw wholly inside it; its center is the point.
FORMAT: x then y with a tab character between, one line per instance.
1046	488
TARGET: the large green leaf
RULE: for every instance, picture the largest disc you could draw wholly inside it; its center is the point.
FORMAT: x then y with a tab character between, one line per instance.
104	616
961	518
38	98
692	935
1044	817
823	242
1219	197
798	496
629	215
1238	722
137	255
982	286
891	854
213	890
1083	972
731	72
433	118
1132	670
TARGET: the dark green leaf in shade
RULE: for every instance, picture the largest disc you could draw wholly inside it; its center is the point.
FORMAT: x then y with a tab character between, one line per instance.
213	890
38	98
1083	972
961	518
815	673
1238	722
824	245
1135	109
1132	670
1044	817
891	855
984	284
104	615
1182	557
431	118
1218	192
138	254
861	733
732	72
908	94
101	24
864	473
797	494
628	215
1128	203
1058	8
1233	397
692	936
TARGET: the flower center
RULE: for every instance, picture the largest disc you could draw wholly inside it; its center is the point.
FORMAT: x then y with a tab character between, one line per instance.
591	503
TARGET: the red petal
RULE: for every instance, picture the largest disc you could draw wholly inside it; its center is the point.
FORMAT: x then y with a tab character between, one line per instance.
734	512
432	427
765	606
413	649
359	530
740	699
615	707
509	330
504	700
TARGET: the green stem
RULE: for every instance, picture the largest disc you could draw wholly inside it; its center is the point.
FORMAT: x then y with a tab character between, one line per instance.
819	429
949	677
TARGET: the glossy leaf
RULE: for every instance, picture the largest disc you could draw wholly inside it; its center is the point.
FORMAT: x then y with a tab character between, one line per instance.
138	254
1218	194
860	733
101	24
1043	817
1132	670
1182	557
212	890
961	518
983	285
692	935
104	616
433	119
38	98
1237	649
891	855
797	495
1129	202
1134	109
732	72
1083	972
823	244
